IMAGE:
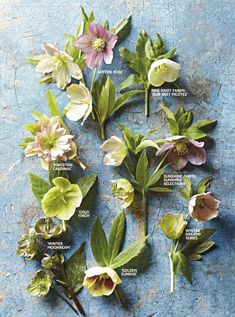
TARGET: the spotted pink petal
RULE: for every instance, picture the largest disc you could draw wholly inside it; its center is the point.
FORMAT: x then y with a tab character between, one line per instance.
178	161
196	155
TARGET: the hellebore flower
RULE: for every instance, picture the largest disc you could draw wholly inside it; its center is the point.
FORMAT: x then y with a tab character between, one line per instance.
182	150
124	190
52	262
203	207
81	103
101	281
163	70
59	65
52	143
27	245
97	45
47	229
116	150
172	225
40	285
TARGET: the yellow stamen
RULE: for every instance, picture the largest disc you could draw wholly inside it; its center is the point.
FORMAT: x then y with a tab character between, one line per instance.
98	43
181	148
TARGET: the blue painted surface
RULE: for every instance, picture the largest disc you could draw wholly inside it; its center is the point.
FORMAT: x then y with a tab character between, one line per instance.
202	32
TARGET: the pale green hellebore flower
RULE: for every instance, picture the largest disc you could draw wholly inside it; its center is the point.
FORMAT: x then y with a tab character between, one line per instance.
116	151
59	65
40	285
124	191
62	200
101	281
163	70
81	103
172	225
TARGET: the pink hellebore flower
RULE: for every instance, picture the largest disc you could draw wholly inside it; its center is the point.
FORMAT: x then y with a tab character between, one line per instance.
203	207
51	143
181	150
97	45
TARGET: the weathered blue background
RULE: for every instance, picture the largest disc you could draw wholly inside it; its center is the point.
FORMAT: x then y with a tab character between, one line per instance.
202	32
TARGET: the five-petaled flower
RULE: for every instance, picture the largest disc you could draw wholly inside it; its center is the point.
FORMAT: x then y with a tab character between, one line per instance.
101	281
51	143
181	150
116	151
163	70
203	207
97	45
59	65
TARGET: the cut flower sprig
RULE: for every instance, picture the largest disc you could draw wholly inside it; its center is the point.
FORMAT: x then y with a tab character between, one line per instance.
202	207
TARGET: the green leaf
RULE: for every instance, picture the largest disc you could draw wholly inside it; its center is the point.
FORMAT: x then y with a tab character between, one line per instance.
154	178
45	80
106	24
141	60
142	172
190	245
86	182
194	133
161	190
133	79
33	128
149	50
174	128
25	143
128	137
185	121
116	235
75	267
34	59
167	55
54	173
179	113
122	28
99	244
121	100
158	46
39	186
180	264
204	184
106	100
129	58
203	123
53	107
186	191
129	253
145	143
38	115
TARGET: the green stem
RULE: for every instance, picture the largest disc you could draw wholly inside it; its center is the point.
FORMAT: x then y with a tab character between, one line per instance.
102	131
119	296
78	162
65	300
145	212
172	275
92	86
64	225
176	245
147	90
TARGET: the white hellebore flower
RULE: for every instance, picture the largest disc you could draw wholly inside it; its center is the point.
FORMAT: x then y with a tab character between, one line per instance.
81	103
101	281
116	151
163	70
59	65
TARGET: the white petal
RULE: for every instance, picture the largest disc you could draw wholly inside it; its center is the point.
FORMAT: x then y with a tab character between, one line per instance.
75	111
49	49
74	70
46	65
154	77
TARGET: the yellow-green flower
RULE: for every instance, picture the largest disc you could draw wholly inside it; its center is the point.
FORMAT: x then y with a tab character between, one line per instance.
40	285
172	225
123	190
101	281
163	70
116	151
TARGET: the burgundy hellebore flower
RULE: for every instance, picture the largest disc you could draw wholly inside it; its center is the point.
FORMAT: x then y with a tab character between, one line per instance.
203	207
181	150
97	45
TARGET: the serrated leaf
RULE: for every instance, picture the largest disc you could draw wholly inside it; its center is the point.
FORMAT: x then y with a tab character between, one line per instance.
129	253
106	100
129	58
204	184
38	115
186	191
167	55
128	137
86	182
142	172
31	127
180	264
185	121
131	80
121	100
179	113
141	60
39	186
173	125
75	267
190	245
154	178
149	50
194	133
122	28
116	235
53	107
203	123
99	244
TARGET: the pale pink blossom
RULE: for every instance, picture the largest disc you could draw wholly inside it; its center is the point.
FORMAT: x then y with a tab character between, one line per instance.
203	207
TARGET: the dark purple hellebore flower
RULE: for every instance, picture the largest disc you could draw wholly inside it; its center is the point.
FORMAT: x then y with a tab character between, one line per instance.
97	45
182	150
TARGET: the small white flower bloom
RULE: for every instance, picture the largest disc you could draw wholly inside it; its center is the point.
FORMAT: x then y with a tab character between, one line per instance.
163	70
116	151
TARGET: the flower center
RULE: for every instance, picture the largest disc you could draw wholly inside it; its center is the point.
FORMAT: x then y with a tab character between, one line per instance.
98	43
49	142
163	68
181	148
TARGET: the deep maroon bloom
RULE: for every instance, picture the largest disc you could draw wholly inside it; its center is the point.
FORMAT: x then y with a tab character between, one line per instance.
181	150
97	45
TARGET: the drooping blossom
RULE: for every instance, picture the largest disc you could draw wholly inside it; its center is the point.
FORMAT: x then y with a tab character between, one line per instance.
163	70
124	191
97	45
52	143
116	151
203	207
181	150
80	105
59	65
101	281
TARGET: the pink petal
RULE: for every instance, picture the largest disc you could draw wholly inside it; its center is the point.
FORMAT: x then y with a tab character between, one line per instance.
111	40
108	56
178	161
167	146
94	59
196	155
209	201
97	29
84	43
204	214
196	143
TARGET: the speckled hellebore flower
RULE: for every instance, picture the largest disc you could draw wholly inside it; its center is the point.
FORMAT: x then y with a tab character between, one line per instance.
80	105
51	143
97	45
163	70
203	207
123	190
59	64
101	281
40	285
181	150
116	151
